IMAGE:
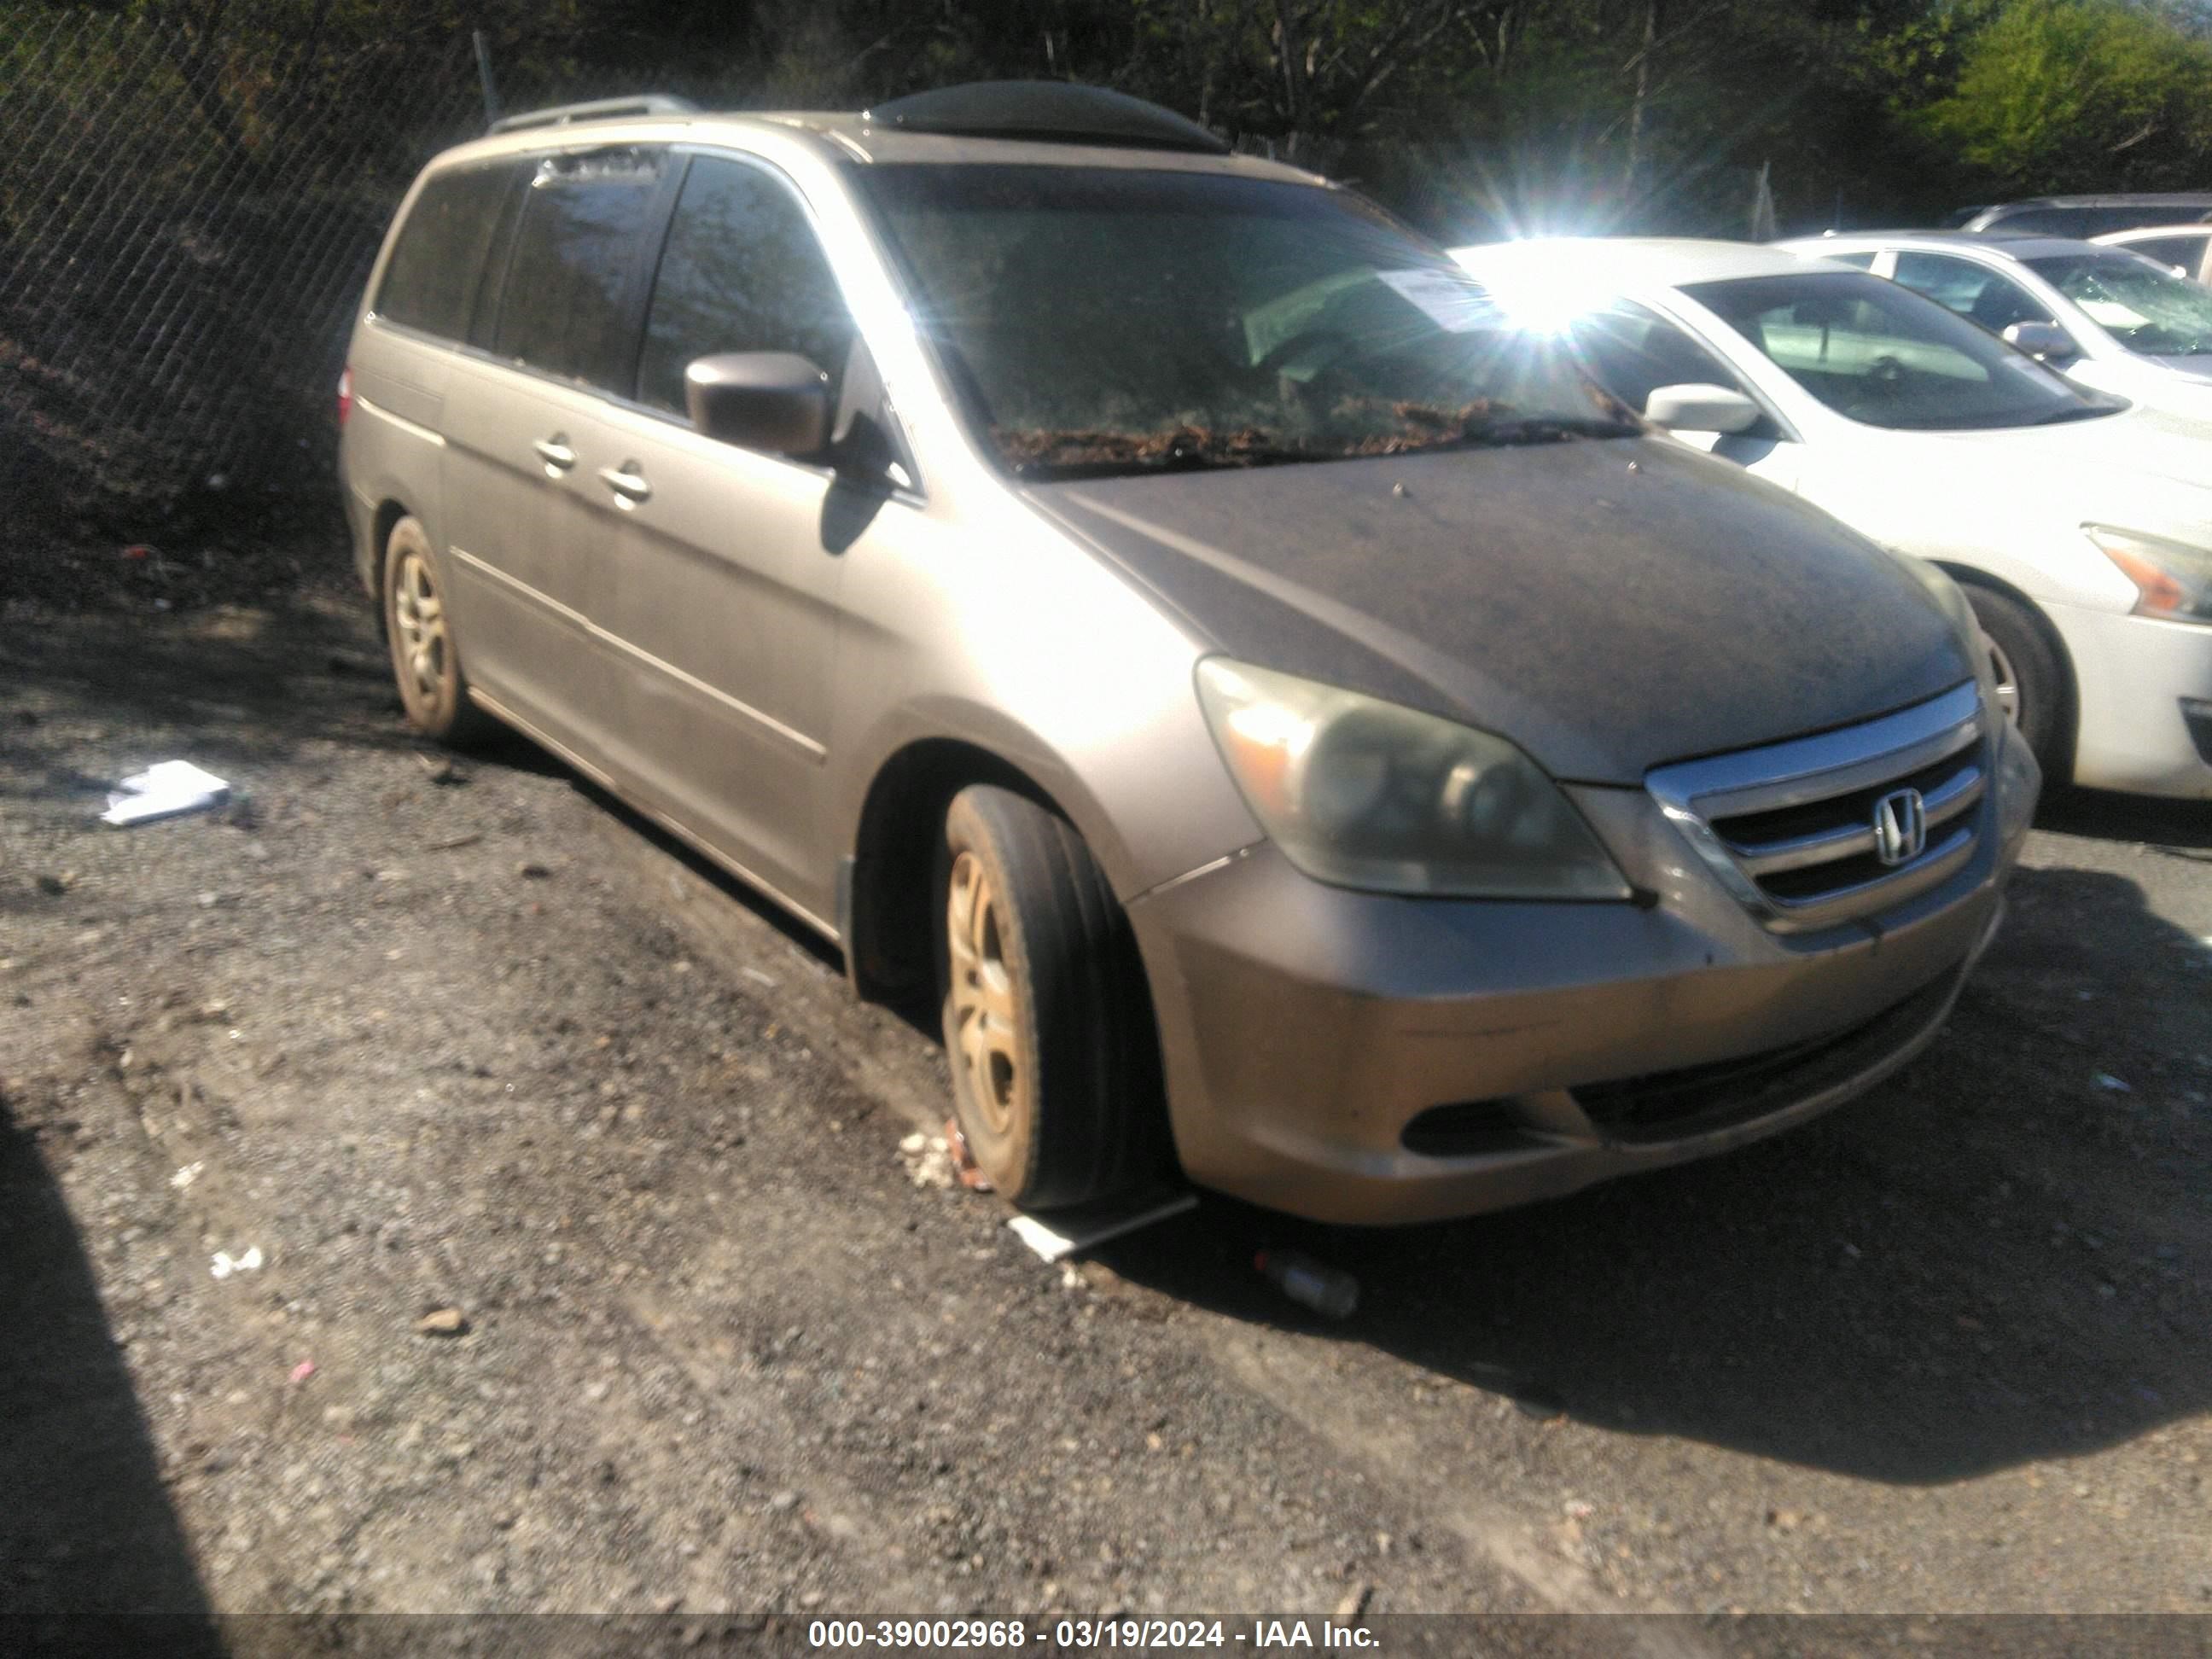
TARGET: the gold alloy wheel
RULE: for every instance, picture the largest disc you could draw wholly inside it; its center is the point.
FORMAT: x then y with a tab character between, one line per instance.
982	993
419	618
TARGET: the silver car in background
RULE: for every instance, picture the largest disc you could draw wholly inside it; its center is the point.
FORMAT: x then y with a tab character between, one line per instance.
1144	602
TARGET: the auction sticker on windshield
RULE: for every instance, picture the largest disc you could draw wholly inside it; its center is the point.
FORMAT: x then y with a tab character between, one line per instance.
1450	300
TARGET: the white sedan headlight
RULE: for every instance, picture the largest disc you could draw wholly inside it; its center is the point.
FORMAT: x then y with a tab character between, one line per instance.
2173	579
1363	794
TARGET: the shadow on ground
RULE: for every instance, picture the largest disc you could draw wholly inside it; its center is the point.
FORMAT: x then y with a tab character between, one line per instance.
2177	826
1996	1258
87	1527
249	684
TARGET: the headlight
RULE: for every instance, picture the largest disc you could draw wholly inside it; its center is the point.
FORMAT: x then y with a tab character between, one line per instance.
2173	579
1368	794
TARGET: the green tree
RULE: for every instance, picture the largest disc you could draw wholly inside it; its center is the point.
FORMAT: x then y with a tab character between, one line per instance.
2077	95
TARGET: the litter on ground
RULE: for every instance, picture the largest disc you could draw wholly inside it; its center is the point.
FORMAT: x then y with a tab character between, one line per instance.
225	1264
1070	1232
1309	1282
162	790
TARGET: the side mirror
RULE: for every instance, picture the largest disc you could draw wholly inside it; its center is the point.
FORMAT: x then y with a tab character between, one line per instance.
2040	340
768	400
1701	408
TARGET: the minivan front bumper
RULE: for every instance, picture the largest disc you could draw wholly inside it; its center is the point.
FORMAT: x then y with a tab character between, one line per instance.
1355	1057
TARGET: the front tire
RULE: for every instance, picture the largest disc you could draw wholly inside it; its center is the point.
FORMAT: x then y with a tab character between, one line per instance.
2031	680
1048	1022
426	661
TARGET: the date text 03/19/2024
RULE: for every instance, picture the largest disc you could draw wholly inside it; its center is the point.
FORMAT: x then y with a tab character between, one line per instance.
1088	1635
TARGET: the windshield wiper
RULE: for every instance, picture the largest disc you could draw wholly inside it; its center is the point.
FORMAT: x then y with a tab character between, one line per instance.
1035	453
1546	428
1042	453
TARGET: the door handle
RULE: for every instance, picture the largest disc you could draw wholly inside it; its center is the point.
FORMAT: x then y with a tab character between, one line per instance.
627	482
555	453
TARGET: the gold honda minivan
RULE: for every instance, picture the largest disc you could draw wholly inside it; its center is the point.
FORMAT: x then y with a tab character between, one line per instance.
1150	604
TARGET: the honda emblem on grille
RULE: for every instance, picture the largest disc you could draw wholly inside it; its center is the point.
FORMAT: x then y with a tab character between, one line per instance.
1900	826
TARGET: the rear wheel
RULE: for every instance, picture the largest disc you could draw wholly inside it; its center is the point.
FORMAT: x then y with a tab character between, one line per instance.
426	662
1047	1025
2031	681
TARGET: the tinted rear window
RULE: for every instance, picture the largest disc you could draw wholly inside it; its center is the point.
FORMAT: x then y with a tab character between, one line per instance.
431	280
567	309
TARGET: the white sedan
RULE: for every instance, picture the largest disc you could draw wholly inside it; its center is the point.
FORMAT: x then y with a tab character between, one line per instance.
2080	527
2107	316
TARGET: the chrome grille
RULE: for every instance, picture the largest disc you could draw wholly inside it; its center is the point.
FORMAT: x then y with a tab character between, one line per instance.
1795	829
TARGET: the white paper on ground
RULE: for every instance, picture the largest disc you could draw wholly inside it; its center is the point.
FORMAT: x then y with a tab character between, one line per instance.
1071	1231
162	790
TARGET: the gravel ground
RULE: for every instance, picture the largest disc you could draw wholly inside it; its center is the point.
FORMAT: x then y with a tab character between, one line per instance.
466	1040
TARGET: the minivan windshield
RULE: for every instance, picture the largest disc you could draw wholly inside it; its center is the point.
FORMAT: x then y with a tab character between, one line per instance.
2145	307
1120	320
1878	353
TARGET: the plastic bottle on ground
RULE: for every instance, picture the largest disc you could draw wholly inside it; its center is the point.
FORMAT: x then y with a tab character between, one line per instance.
1308	1283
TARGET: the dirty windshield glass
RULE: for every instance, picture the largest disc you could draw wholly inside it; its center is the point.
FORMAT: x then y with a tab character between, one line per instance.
2144	308
1881	354
1104	320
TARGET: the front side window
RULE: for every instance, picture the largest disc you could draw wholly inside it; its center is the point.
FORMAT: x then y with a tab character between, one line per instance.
1974	291
566	307
2145	307
1880	354
1117	320
742	271
437	265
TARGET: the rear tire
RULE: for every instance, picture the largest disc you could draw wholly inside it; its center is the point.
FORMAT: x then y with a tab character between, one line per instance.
2030	678
1048	1022
426	658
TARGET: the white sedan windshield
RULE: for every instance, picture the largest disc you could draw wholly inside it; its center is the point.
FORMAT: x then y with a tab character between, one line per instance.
1885	355
2145	309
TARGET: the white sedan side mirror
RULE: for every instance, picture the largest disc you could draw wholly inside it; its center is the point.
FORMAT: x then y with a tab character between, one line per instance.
1700	409
2040	340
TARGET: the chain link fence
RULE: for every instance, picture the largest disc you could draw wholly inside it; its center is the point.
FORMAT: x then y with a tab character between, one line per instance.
192	192
186	221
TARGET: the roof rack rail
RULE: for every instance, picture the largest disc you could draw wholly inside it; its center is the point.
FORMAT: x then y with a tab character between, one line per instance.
599	109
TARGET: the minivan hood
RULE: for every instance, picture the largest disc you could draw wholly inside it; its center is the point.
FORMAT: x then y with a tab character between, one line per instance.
1609	604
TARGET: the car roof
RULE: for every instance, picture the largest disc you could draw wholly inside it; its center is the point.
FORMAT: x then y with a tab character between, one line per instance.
1664	260
2114	199
2138	232
2010	244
